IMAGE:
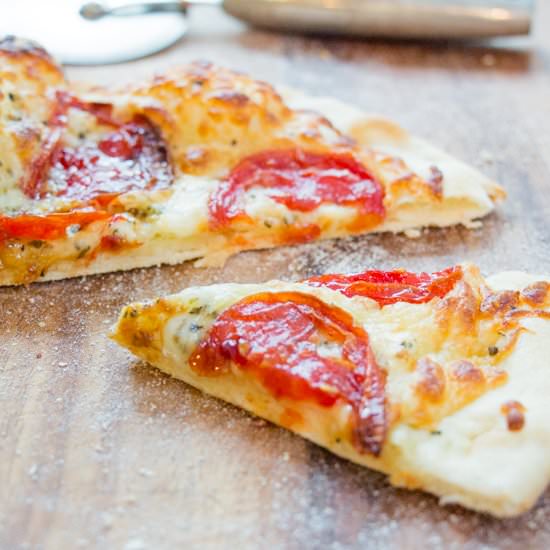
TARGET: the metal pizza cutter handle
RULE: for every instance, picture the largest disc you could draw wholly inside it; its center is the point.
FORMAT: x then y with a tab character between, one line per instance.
82	33
394	18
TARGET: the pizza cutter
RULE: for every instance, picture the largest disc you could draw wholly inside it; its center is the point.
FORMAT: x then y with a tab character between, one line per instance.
79	32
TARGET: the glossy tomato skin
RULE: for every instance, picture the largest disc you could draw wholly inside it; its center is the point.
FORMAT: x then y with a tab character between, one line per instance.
302	181
277	337
390	287
130	157
47	227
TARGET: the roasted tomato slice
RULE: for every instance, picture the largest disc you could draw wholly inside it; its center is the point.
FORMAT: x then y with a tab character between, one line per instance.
302	181
92	174
389	287
46	227
301	348
130	157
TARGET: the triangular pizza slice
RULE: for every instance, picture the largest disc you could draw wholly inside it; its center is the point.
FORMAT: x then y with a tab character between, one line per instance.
199	164
439	380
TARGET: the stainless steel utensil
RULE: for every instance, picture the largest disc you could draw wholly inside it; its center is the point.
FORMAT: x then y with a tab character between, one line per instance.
92	33
59	27
395	18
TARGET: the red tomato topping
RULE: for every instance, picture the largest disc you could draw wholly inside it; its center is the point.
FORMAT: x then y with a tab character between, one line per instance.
131	157
127	143
279	337
102	111
50	226
300	180
34	179
34	182
389	287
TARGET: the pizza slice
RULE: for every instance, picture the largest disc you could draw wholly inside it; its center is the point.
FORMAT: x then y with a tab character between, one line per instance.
199	164
438	380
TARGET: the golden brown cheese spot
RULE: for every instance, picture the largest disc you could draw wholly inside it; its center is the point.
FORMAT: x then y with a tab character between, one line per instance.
224	114
402	182
142	339
495	377
431	383
311	128
197	156
457	313
142	325
467	373
536	293
230	96
470	381
500	302
27	261
444	389
435	181
515	418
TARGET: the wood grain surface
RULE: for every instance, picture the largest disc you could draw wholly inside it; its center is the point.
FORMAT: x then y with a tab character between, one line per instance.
99	451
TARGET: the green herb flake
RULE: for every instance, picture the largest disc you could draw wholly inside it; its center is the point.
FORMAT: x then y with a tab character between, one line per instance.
73	229
83	252
144	213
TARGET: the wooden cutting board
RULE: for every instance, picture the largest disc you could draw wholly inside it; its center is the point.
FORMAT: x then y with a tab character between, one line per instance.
100	451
